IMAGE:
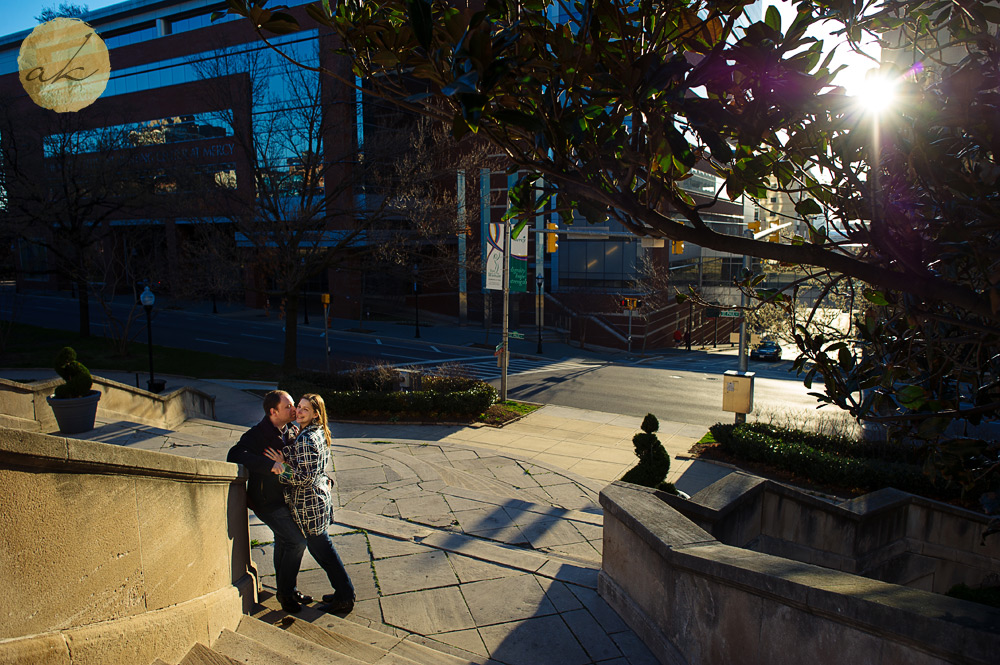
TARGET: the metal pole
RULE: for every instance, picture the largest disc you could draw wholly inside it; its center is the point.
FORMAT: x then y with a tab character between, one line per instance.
630	330
539	282
687	338
742	417
149	345
505	351
326	334
416	303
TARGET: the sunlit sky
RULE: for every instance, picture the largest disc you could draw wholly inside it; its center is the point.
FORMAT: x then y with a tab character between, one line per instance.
20	15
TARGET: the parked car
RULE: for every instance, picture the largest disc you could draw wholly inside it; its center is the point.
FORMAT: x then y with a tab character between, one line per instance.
767	350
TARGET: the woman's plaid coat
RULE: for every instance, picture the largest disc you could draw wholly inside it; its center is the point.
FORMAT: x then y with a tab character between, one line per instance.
309	490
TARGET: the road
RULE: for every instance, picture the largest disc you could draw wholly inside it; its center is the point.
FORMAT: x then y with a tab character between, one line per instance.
683	387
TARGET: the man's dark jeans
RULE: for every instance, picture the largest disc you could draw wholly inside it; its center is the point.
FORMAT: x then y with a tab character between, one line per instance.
289	544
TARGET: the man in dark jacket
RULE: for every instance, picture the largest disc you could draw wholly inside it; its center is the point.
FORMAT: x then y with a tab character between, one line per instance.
265	496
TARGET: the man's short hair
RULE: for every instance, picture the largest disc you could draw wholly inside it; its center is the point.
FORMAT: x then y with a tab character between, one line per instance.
273	399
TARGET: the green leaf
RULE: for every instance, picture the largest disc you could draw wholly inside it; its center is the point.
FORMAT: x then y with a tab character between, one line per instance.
874	297
772	18
421	21
912	397
808	207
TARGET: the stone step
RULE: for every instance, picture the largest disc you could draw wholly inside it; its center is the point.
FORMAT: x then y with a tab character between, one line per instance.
249	651
302	650
406	648
200	654
363	651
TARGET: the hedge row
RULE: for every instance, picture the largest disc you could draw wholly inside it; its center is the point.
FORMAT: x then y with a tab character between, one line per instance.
468	397
758	444
380	379
889	452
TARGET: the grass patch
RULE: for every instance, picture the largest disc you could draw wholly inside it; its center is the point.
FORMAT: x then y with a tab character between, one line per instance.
31	346
504	412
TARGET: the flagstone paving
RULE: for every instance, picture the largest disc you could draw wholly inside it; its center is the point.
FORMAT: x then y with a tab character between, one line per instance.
481	542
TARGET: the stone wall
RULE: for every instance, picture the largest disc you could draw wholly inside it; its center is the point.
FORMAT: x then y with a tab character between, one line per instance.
115	555
694	600
23	405
887	535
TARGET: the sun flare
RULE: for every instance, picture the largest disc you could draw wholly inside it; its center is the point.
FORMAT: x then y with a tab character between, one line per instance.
875	92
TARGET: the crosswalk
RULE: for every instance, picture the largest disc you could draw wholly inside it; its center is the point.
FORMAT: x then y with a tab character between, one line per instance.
486	368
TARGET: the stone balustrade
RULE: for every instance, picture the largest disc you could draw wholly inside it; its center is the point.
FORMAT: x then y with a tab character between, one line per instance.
23	405
115	555
693	599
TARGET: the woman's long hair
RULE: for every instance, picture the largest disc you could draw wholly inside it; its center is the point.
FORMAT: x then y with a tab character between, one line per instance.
320	408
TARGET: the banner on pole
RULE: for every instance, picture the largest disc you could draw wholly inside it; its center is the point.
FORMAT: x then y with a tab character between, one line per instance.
494	257
519	260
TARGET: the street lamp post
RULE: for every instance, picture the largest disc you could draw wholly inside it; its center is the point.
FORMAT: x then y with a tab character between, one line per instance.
147	299
416	301
540	283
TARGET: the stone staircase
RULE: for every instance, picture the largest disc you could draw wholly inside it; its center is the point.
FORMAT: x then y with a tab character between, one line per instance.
294	641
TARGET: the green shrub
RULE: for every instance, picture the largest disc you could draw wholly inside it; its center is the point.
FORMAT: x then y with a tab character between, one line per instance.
74	373
654	462
375	379
475	399
820	459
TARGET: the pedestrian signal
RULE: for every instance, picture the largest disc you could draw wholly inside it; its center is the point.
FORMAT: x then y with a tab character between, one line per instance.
754	225
677	247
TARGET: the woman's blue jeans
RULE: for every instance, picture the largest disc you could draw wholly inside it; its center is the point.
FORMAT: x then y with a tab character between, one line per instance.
321	548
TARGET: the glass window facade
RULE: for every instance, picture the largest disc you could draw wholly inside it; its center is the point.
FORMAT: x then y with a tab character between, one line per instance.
161	131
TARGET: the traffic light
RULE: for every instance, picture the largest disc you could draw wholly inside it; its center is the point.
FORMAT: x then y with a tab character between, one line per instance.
630	303
774	237
551	239
677	247
754	225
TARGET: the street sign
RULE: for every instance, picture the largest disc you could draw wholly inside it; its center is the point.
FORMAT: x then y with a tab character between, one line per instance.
717	312
513	334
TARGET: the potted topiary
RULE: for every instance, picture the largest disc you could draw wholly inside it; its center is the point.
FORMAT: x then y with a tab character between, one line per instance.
73	403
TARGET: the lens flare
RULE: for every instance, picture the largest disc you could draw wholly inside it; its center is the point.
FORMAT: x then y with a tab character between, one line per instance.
877	92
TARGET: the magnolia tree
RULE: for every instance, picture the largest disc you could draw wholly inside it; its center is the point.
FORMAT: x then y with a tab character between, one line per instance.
608	108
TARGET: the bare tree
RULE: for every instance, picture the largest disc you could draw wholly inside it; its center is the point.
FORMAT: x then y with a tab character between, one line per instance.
65	181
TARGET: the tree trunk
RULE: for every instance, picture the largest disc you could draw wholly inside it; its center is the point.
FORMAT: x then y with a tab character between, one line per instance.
83	300
290	362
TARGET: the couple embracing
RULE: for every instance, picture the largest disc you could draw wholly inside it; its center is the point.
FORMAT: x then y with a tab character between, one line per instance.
286	455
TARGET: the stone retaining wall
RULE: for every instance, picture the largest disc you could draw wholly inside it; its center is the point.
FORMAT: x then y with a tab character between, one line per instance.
23	405
694	600
115	555
887	535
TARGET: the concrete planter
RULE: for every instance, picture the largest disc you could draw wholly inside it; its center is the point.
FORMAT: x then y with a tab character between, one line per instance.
75	414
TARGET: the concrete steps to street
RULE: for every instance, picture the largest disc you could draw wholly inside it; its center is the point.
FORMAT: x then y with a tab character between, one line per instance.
297	642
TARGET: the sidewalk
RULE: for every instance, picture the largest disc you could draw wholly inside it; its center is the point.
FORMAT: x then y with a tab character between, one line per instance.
483	542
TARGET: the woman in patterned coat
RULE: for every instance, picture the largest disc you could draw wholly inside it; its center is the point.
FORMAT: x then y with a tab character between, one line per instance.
308	493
